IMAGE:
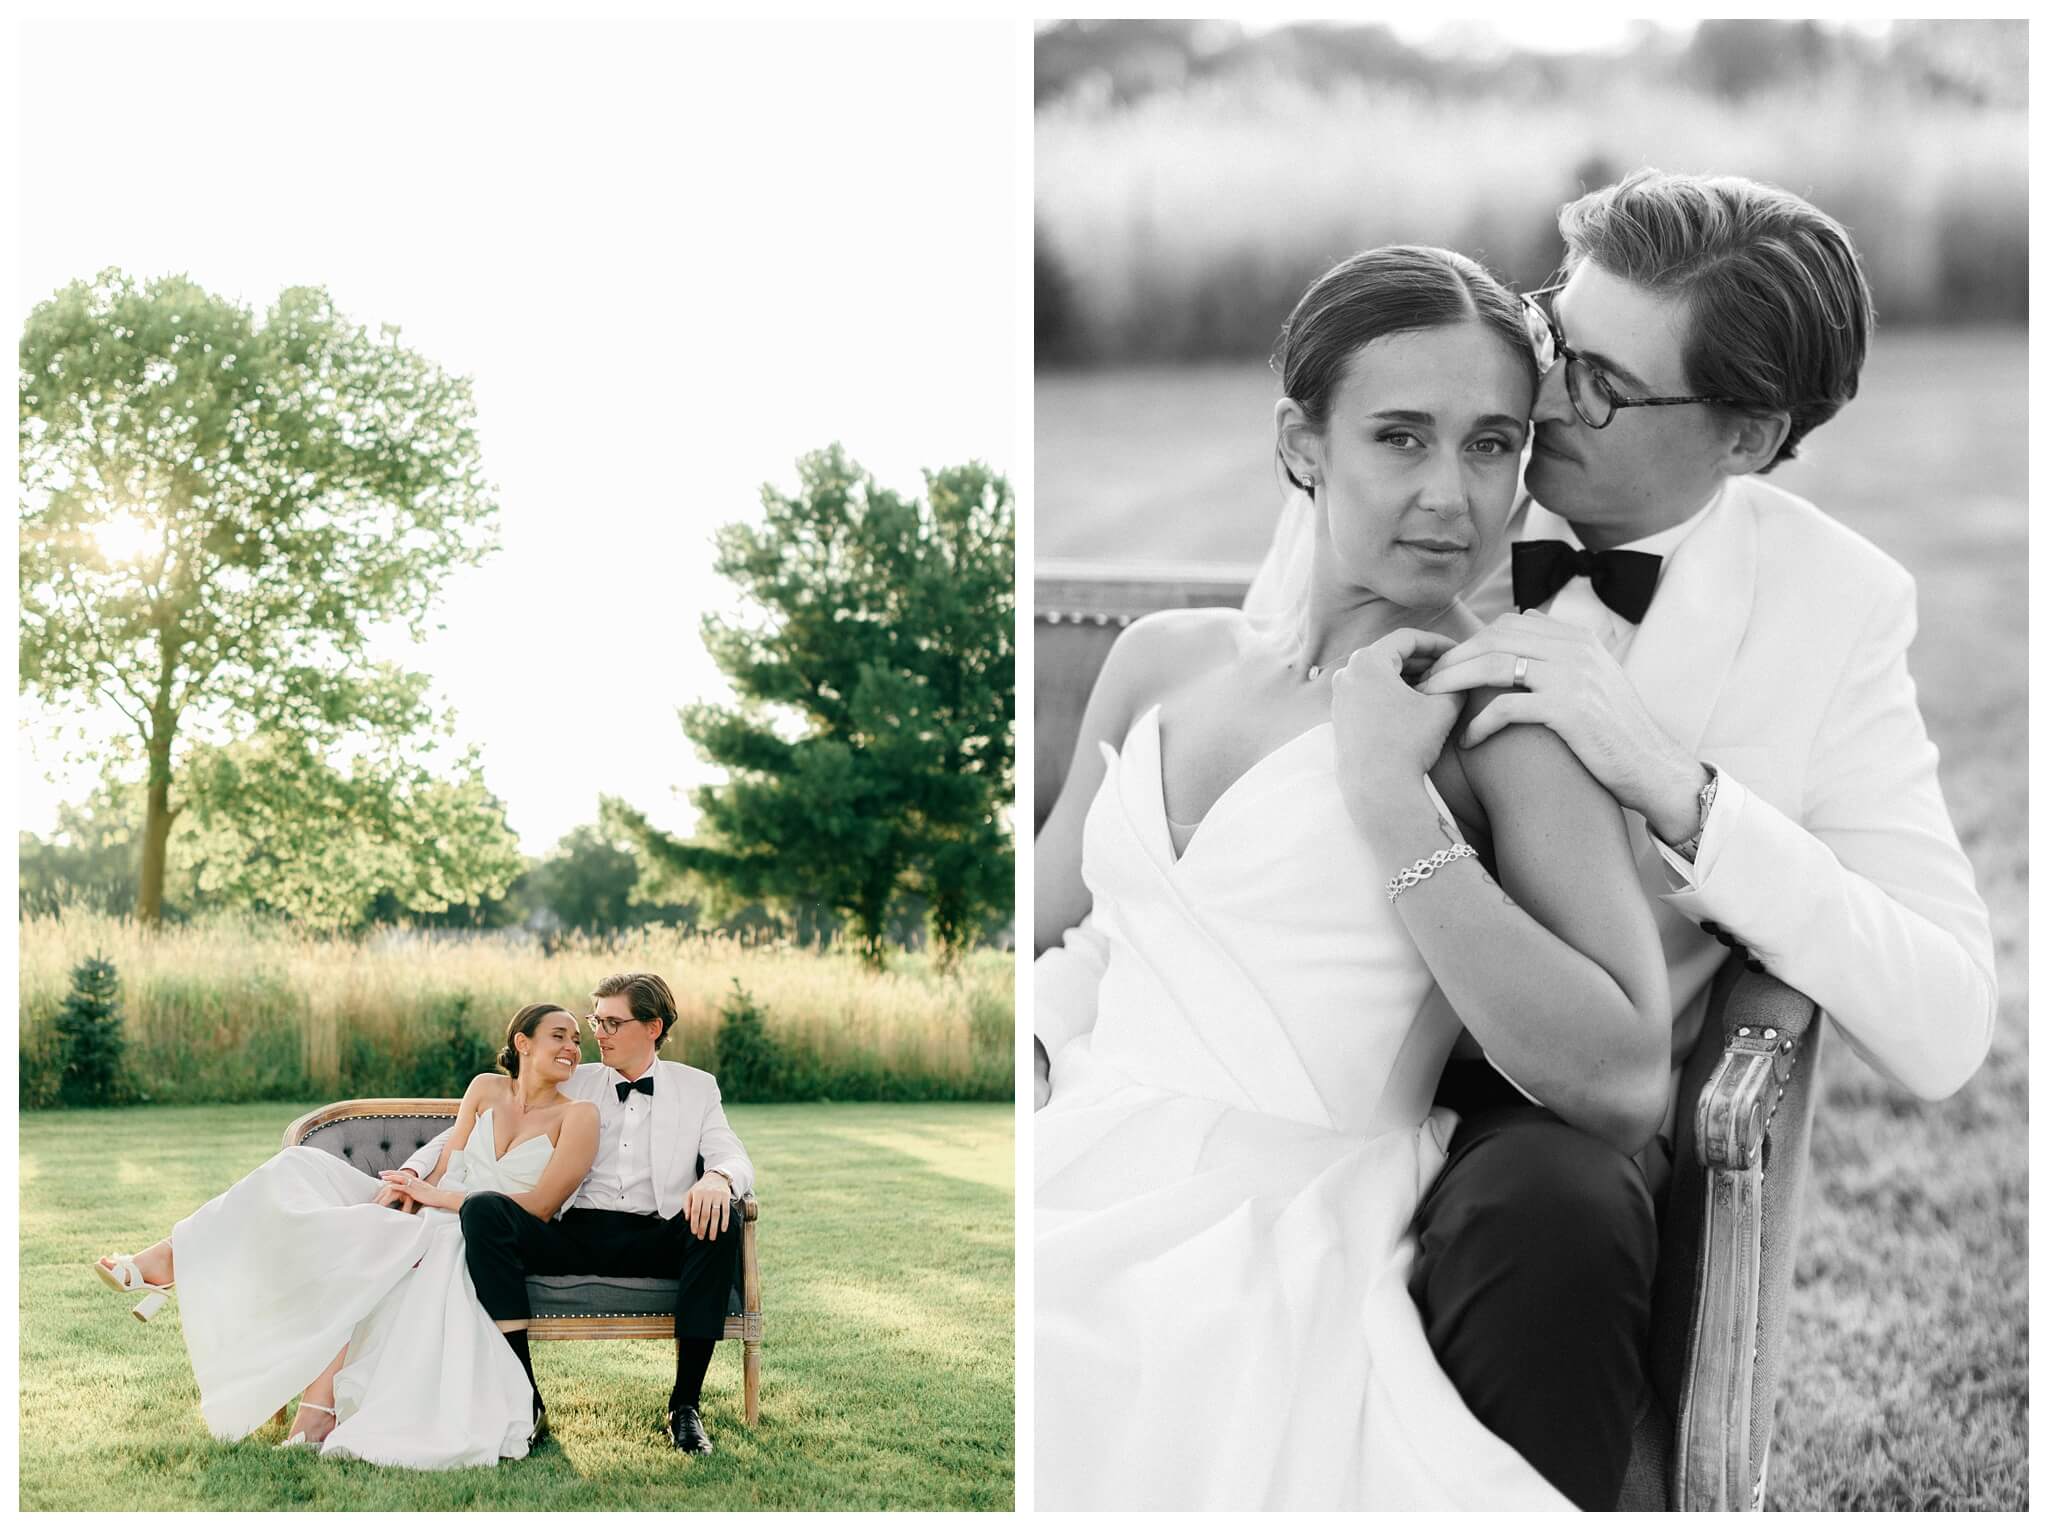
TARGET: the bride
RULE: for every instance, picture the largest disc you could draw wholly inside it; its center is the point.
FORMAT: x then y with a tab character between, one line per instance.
1268	850
308	1260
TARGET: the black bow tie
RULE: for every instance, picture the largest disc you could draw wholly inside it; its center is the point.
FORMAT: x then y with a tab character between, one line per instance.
1624	580
644	1084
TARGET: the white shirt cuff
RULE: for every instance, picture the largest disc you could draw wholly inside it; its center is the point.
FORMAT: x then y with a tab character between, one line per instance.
1729	799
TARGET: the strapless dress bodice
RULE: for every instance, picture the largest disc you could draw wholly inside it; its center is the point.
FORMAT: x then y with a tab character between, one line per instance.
1264	965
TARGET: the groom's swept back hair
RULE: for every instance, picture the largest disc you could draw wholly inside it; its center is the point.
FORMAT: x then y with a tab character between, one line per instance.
1780	313
647	995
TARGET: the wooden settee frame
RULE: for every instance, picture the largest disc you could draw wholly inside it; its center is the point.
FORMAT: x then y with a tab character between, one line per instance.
745	1326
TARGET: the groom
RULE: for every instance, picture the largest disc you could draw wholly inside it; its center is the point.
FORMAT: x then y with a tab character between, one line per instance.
1731	665
643	1210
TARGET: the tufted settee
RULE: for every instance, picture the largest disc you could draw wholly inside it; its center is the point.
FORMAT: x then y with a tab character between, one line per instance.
376	1135
1729	1222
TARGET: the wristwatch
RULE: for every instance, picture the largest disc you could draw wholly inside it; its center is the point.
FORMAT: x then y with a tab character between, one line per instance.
1690	846
731	1189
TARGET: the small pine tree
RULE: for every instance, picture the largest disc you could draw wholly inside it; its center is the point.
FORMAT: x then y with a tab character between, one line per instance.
89	1038
751	1066
446	1064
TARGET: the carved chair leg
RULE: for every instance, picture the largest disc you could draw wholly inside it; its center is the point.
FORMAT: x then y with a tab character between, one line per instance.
752	1374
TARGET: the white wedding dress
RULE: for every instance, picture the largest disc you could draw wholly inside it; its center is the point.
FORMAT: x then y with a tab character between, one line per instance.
1229	1164
281	1270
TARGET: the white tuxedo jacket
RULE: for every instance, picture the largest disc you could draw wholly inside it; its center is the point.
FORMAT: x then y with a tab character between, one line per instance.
1776	650
688	1120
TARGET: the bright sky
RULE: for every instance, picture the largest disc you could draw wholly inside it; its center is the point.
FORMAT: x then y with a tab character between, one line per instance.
672	256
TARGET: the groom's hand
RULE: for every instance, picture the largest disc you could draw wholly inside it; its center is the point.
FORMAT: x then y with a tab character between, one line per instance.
708	1205
1573	687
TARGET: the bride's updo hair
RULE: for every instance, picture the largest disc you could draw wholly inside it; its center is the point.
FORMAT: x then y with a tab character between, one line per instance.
524	1024
1387	291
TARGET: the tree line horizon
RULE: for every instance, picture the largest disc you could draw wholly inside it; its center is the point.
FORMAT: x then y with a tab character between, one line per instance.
1193	176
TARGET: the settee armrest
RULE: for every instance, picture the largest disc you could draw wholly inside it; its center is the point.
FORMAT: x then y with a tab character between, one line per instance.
1751	1129
1762	1025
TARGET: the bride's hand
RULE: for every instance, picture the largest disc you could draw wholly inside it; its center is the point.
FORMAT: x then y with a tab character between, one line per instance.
422	1192
1388	733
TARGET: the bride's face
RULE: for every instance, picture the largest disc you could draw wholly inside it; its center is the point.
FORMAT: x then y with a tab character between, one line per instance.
1417	462
554	1050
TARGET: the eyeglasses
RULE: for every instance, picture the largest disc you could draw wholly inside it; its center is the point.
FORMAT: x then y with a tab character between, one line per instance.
1592	392
605	1023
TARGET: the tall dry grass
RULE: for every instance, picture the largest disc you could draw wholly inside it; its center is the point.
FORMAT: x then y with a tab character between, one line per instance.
236	1009
1183	225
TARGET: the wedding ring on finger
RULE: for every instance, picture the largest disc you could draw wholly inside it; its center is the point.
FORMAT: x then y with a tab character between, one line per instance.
1521	681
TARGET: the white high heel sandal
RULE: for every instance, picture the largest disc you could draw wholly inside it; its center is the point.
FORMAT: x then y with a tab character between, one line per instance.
298	1438
126	1278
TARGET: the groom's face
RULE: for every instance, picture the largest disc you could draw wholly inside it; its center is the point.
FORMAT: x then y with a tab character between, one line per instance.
630	1049
1650	467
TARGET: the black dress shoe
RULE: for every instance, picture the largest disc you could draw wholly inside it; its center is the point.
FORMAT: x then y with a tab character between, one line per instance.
686	1432
539	1432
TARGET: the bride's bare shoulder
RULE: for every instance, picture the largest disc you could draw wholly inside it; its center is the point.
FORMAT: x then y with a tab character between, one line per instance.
578	1114
1160	650
1150	659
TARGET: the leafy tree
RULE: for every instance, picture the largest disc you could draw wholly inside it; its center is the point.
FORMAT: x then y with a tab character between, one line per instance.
215	513
271	825
89	1037
277	826
591	880
872	754
88	861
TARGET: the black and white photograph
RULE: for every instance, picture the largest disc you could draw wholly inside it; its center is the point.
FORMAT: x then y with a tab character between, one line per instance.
1530	801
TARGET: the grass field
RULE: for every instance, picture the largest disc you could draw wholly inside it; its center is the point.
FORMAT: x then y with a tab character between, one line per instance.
887	1261
1906	1382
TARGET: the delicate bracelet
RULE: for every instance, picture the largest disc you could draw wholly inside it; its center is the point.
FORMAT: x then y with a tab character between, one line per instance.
1409	876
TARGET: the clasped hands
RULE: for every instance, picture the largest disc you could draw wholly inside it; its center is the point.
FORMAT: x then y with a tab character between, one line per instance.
707	1204
1574	687
408	1192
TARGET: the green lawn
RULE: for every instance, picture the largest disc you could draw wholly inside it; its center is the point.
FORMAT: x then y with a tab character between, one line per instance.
1906	1380
887	1258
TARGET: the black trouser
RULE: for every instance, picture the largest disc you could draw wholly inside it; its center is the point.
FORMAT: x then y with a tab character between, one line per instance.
505	1244
1537	1251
